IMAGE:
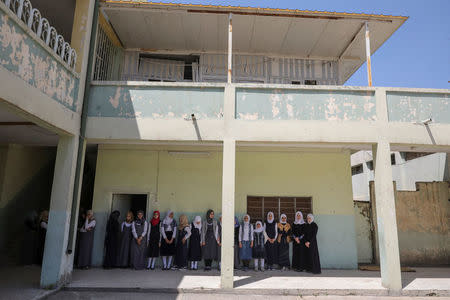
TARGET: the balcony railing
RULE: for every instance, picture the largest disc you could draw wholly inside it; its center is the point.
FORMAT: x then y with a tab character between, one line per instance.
33	19
32	50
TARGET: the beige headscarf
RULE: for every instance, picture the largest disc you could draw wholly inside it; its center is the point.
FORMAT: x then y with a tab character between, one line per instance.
184	222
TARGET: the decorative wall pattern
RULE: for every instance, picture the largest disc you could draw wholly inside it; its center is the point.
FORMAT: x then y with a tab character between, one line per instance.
280	104
25	57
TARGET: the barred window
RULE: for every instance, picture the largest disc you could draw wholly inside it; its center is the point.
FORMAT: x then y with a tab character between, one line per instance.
258	207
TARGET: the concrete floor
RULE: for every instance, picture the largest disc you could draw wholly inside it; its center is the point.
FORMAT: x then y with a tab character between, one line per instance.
23	283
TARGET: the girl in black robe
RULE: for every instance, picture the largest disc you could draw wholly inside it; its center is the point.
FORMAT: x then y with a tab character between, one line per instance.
195	243
184	232
209	239
271	245
30	241
298	248
112	240
313	259
284	238
168	240
153	240
125	241
86	241
237	225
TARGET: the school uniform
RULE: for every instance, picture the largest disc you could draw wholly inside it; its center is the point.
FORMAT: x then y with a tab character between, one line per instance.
209	237
138	252
258	250
181	258
284	238
86	242
126	238
168	231
245	238
271	248
195	247
298	249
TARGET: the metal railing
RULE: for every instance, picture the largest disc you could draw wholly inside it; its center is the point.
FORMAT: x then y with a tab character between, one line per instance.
33	19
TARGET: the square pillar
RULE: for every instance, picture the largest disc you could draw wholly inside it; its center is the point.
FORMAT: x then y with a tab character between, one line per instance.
386	218
57	264
228	187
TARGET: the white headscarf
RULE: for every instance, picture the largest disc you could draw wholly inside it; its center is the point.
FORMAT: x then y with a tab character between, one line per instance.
258	229
273	217
198	219
168	220
312	218
281	219
245	223
297	219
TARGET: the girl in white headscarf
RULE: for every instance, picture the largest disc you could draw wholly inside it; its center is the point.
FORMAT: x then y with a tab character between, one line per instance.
298	249
195	243
310	240
246	242
168	235
258	251
271	242
284	238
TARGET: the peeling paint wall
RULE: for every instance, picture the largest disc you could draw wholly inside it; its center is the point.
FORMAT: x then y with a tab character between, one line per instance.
279	104
156	102
423	223
24	56
413	107
363	228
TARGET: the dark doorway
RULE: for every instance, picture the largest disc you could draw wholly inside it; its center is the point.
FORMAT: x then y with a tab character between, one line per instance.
126	202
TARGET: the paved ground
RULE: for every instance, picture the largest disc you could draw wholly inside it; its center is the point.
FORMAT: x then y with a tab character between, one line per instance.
66	295
23	283
426	281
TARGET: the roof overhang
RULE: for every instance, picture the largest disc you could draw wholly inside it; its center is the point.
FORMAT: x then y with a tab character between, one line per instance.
188	28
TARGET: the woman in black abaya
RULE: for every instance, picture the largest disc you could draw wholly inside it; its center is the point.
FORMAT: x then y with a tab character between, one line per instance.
313	260
112	240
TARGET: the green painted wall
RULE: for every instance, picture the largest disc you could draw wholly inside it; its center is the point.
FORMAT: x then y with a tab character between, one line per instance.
24	186
191	184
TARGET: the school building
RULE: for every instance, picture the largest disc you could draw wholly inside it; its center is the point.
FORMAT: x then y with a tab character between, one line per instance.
139	105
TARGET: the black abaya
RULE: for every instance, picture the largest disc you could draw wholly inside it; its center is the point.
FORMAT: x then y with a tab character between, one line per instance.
299	250
195	248
313	260
284	233
271	248
112	241
125	246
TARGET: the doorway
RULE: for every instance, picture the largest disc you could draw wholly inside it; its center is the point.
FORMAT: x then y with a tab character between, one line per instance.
126	202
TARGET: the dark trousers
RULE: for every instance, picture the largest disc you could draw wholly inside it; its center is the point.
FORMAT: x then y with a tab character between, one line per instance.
208	262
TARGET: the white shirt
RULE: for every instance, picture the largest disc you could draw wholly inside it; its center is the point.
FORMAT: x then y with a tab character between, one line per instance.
244	234
126	224
133	230
87	225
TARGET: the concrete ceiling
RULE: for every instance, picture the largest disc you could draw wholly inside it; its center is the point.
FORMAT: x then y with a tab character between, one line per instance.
181	28
14	129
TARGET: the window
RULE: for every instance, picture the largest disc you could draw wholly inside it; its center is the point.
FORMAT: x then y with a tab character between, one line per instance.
258	207
296	82
392	159
310	82
413	155
358	169
370	165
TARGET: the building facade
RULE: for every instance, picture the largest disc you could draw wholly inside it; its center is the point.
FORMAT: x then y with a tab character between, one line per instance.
192	107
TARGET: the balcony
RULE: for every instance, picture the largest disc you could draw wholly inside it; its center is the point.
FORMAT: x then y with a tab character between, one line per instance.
32	50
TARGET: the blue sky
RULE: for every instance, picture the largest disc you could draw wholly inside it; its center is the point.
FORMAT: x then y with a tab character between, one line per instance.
416	55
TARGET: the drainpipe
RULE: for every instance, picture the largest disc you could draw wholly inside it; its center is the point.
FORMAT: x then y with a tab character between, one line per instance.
82	138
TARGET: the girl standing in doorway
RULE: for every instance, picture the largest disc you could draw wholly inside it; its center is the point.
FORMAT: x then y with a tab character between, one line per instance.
125	241
138	246
153	240
86	241
168	230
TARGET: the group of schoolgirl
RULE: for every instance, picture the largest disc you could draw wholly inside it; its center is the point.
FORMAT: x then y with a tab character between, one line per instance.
183	244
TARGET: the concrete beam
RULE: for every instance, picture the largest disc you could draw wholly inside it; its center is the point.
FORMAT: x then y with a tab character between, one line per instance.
57	264
386	218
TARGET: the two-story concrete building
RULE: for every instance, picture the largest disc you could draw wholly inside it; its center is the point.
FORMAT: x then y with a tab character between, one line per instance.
192	107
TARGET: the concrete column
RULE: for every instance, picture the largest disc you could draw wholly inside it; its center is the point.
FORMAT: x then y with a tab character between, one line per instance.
57	264
228	186
386	218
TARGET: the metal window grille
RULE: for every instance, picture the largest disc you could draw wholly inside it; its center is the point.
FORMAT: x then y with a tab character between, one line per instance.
108	58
